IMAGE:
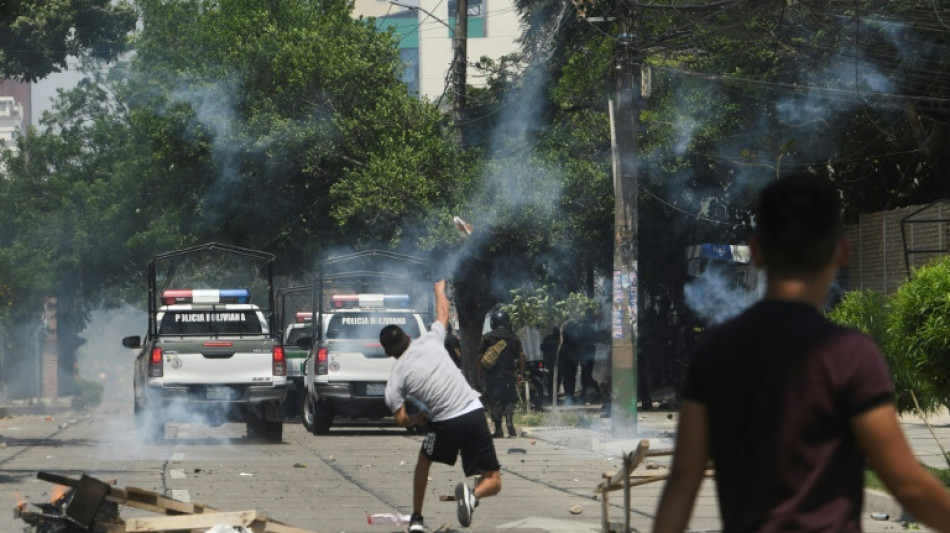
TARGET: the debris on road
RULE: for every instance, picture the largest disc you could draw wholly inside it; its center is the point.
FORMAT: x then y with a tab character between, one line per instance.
387	519
92	505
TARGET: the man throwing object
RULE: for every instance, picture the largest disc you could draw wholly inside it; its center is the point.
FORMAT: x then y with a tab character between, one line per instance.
455	415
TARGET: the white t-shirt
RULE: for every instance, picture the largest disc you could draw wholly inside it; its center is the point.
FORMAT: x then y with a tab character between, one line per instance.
426	372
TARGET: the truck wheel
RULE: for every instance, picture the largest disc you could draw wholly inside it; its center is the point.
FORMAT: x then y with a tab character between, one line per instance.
261	429
317	415
292	405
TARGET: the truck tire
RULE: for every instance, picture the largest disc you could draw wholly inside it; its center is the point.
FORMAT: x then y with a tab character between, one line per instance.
258	427
316	415
292	404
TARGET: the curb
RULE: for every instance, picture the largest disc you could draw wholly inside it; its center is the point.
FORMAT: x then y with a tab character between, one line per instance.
43	407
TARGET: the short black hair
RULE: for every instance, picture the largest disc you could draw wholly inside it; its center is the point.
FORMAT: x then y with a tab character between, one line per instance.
798	224
394	340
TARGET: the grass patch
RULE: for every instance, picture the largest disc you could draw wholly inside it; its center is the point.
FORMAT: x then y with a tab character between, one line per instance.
871	480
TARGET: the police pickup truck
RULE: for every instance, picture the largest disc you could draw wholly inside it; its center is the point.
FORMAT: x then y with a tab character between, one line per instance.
346	373
296	358
209	355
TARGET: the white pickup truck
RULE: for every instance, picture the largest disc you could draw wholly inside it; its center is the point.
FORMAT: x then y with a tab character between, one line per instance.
210	355
346	373
212	360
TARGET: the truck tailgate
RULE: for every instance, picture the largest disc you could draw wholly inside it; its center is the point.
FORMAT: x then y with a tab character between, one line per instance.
209	362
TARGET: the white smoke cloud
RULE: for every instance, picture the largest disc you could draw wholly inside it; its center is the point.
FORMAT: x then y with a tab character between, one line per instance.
715	296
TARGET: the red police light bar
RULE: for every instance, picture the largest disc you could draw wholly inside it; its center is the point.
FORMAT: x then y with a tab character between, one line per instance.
303	316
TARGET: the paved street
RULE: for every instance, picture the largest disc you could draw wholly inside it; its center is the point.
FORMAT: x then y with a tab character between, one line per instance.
330	483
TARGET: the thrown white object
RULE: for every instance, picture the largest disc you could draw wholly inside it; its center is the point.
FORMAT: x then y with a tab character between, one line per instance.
464	227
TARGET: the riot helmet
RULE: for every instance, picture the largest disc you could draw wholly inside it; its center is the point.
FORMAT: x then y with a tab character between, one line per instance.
499	319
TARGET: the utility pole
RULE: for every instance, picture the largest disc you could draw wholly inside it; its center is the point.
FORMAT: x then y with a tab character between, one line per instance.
624	310
459	62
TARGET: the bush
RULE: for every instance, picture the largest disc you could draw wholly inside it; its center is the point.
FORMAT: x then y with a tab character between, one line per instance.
919	333
870	312
90	394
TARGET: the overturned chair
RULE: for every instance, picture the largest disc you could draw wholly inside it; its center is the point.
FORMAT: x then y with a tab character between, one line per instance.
626	478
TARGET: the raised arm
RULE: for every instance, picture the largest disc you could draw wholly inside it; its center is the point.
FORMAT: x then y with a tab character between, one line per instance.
441	303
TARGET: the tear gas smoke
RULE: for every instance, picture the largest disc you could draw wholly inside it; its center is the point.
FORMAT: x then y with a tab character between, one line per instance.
715	296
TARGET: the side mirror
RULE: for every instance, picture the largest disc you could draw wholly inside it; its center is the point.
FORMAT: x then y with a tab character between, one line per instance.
305	343
134	342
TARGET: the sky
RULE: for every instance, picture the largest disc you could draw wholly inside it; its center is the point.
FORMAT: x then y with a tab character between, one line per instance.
45	90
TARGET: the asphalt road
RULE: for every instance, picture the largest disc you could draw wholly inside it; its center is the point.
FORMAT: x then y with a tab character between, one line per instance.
326	484
330	483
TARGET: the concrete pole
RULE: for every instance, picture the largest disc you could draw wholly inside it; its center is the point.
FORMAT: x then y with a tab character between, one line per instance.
459	64
625	302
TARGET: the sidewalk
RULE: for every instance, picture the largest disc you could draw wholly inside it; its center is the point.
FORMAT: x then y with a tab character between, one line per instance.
659	428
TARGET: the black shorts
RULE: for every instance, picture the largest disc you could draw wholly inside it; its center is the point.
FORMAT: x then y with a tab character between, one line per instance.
467	434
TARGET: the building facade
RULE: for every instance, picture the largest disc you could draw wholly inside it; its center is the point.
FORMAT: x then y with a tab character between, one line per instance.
15	107
11	121
424	31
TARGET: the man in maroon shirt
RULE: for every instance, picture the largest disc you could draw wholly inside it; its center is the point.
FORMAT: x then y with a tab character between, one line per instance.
787	404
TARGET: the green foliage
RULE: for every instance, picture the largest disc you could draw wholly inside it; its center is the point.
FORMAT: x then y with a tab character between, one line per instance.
872	313
539	309
37	36
920	331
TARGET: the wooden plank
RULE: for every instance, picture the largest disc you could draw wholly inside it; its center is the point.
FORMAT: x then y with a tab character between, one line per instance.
636	481
180	516
148	500
630	463
135	497
190	521
110	527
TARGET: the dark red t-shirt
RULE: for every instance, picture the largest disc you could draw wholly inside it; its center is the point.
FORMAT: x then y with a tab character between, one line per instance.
781	383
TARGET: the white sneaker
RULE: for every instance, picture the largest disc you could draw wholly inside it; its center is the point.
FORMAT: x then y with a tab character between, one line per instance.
467	502
416	525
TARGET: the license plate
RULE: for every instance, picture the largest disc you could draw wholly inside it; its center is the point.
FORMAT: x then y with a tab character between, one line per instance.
218	393
375	389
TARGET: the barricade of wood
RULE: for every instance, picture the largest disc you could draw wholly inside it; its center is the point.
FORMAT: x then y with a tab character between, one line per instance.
93	506
625	479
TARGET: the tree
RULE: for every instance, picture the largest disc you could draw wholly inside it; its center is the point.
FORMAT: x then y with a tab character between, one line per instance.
540	309
37	36
294	115
263	124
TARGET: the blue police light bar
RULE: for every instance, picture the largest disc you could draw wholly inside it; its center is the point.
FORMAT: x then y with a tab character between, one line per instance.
396	301
238	296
